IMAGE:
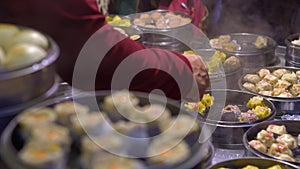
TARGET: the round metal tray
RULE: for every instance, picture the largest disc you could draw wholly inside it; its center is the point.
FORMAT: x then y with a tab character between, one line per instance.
201	153
258	162
21	85
292	127
283	105
229	134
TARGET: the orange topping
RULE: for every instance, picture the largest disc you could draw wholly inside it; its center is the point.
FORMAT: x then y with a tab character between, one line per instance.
40	154
279	148
166	154
113	166
52	135
37	118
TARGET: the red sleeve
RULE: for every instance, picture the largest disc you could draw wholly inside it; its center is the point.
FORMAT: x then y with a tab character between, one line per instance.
71	23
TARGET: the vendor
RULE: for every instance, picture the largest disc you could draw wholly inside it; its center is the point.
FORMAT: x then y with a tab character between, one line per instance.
72	23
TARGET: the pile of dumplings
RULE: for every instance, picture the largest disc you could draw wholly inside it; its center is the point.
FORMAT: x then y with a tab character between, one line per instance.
275	141
21	47
278	83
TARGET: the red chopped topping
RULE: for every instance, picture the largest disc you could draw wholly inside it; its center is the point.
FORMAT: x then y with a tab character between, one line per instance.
269	135
279	148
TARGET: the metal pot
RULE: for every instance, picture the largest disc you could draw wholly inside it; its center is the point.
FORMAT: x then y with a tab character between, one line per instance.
28	85
292	127
292	56
23	87
228	78
201	153
258	162
228	134
283	105
164	37
249	54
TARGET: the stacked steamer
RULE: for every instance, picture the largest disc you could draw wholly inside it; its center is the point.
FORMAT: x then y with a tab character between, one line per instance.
292	56
114	130
279	84
224	70
254	50
27	73
161	28
227	114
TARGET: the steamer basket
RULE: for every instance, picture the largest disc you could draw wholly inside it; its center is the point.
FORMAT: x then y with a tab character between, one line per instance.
200	157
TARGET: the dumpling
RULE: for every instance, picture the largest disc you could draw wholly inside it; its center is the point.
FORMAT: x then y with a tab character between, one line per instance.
120	100
277	148
215	43
263	72
2	56
270	79
261	111
156	15
298	74
282	84
264	85
66	109
179	127
109	161
52	134
230	46
224	38
92	146
255	101
139	22
160	151
288	140
250	167
277	129
232	63
267	93
252	78
285	94
150	114
261	42
290	77
40	155
231	108
207	100
250	86
278	91
295	89
248	116
258	145
120	103
279	72
265	137
286	157
124	127
275	167
32	118
93	123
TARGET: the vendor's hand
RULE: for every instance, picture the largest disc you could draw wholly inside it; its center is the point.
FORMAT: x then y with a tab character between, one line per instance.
200	72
